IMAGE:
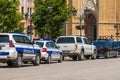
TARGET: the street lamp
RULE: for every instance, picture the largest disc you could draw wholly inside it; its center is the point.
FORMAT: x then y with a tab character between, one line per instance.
74	12
29	28
80	19
117	26
26	18
86	11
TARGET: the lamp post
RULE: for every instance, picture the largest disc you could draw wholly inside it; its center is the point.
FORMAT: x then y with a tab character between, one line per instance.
28	30
80	19
117	26
26	18
86	11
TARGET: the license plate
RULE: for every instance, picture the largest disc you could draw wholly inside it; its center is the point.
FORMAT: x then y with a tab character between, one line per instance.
66	51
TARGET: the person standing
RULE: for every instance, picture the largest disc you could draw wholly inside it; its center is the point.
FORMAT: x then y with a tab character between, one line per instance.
111	38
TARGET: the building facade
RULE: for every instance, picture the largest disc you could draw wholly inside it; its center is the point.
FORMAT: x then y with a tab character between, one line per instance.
97	18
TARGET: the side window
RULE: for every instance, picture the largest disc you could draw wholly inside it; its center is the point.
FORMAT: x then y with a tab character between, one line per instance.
79	40
53	45
86	41
27	41
48	44
18	38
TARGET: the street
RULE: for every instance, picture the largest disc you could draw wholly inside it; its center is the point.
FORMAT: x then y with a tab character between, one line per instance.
99	69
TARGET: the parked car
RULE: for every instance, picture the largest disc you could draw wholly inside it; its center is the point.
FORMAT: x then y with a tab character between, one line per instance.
76	47
106	49
17	48
49	51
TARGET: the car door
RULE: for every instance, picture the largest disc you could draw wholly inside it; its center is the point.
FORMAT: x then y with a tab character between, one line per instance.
52	50
87	46
55	51
28	49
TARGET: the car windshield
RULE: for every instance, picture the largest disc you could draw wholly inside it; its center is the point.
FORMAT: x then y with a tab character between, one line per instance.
40	44
66	40
4	38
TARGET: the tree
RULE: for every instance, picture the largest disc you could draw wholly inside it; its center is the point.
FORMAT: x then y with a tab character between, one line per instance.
9	16
49	16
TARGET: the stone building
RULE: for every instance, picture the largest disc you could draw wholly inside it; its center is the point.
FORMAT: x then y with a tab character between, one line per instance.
97	17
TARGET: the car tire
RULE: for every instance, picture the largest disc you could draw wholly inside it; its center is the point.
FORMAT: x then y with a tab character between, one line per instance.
116	56
94	55
61	58
81	56
74	58
97	57
18	61
107	54
49	59
9	63
36	62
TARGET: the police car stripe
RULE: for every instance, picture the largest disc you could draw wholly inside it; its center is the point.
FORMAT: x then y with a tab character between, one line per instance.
4	53
27	50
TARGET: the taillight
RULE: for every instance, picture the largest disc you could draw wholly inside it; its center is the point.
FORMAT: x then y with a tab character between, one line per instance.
44	49
11	44
76	47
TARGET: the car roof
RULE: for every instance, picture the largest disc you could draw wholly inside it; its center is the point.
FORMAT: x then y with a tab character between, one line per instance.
42	41
71	36
12	34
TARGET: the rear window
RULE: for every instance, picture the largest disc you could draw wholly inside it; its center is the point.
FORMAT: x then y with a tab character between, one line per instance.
66	40
40	44
4	38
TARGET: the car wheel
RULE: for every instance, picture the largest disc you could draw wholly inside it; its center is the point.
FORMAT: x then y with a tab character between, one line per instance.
61	58
97	57
18	61
94	55
10	64
37	60
107	54
81	56
87	57
116	56
74	58
49	59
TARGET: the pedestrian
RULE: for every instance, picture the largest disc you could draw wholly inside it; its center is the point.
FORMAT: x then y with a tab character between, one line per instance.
111	38
106	38
100	38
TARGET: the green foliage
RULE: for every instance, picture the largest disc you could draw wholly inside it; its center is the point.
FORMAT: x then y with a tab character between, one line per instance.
50	15
9	17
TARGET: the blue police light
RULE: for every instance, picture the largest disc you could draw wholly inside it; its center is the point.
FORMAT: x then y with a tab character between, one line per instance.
47	39
37	39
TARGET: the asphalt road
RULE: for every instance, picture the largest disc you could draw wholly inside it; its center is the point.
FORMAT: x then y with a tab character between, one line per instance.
100	69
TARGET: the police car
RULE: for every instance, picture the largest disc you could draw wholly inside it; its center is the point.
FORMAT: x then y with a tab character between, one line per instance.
16	49
49	51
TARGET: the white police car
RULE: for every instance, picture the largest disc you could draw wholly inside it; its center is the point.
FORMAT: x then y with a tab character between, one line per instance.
49	51
17	48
